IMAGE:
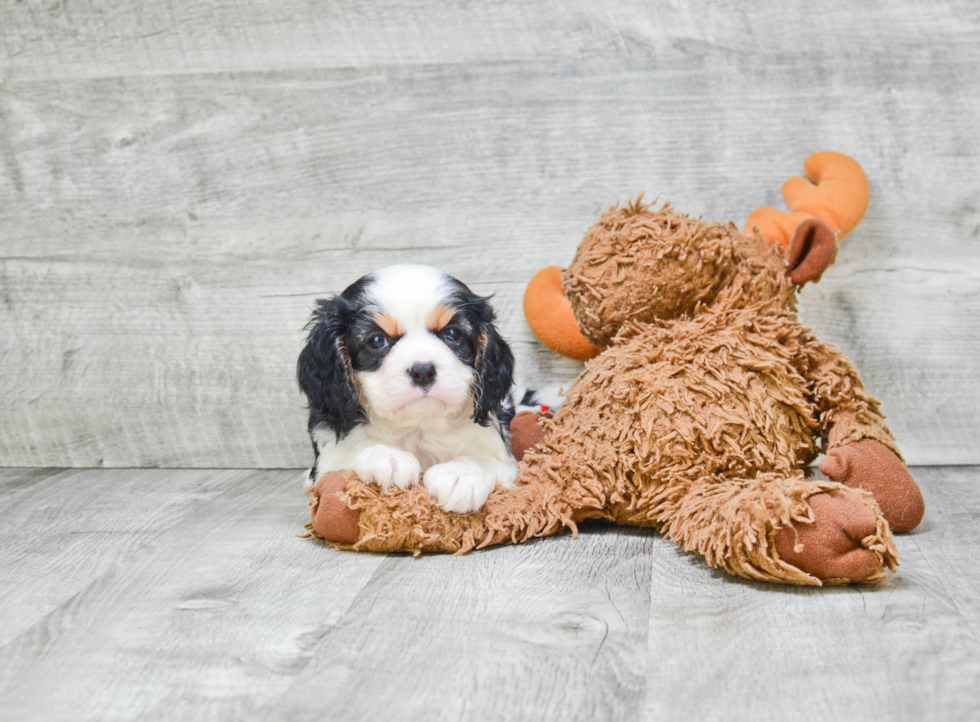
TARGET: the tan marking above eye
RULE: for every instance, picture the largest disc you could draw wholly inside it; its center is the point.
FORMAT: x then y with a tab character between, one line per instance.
389	324
439	317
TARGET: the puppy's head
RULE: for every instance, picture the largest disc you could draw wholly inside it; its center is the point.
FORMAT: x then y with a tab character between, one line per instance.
403	343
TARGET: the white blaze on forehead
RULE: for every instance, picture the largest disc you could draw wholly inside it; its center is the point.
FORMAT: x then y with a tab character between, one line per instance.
409	293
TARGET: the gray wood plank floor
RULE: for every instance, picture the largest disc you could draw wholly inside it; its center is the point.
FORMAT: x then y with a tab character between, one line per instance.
162	594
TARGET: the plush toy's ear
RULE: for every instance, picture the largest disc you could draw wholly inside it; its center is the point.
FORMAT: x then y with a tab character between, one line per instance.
811	250
549	314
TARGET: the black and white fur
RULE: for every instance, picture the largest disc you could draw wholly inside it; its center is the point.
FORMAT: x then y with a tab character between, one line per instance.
406	374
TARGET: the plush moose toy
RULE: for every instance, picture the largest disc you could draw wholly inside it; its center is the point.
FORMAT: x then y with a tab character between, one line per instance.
703	403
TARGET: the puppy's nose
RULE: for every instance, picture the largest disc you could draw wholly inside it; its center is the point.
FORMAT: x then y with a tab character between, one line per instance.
422	374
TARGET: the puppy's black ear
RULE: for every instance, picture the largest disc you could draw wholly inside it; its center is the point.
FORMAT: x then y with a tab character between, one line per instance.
494	366
324	370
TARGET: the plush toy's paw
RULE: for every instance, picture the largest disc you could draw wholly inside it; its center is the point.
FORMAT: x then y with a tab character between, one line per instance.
331	518
458	486
874	467
387	467
831	546
525	432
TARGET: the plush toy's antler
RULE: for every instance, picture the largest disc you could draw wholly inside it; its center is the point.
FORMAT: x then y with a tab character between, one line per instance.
837	192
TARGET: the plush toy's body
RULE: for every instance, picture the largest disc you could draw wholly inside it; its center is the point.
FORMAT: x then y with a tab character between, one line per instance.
699	418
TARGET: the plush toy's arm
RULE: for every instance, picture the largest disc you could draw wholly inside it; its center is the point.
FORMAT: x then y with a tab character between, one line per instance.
861	451
847	412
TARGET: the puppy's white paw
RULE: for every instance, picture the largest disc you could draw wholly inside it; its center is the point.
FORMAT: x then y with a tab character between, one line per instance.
506	475
458	486
387	466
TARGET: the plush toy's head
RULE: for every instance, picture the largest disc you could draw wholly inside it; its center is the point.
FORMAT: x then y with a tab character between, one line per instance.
646	265
643	265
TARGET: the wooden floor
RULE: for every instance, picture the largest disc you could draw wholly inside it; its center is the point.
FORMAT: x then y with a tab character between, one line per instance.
185	595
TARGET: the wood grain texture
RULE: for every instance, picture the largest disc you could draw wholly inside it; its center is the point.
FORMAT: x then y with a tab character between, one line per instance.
206	619
60	39
948	539
178	184
552	630
63	533
19	481
212	609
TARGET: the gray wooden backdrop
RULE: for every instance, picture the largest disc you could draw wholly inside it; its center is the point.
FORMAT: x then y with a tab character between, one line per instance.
179	181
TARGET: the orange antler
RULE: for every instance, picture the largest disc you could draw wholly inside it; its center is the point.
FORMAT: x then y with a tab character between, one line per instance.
836	192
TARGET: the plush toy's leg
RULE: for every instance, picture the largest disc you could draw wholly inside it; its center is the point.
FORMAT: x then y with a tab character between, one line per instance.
778	528
861	451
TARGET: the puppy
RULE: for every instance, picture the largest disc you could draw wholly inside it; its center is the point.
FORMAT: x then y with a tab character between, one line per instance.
406	375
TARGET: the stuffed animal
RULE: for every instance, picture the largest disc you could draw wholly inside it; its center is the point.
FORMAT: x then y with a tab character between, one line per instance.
703	404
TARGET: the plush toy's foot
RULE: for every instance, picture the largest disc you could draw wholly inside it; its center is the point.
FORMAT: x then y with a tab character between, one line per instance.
874	467
835	546
331	518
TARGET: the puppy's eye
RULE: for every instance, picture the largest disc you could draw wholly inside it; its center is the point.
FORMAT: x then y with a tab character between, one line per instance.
452	335
377	342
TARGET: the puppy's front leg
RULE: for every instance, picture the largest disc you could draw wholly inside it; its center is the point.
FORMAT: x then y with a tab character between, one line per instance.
463	484
387	466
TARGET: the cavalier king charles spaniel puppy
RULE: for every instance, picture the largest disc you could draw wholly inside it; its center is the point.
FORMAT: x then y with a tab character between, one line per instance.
406	375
